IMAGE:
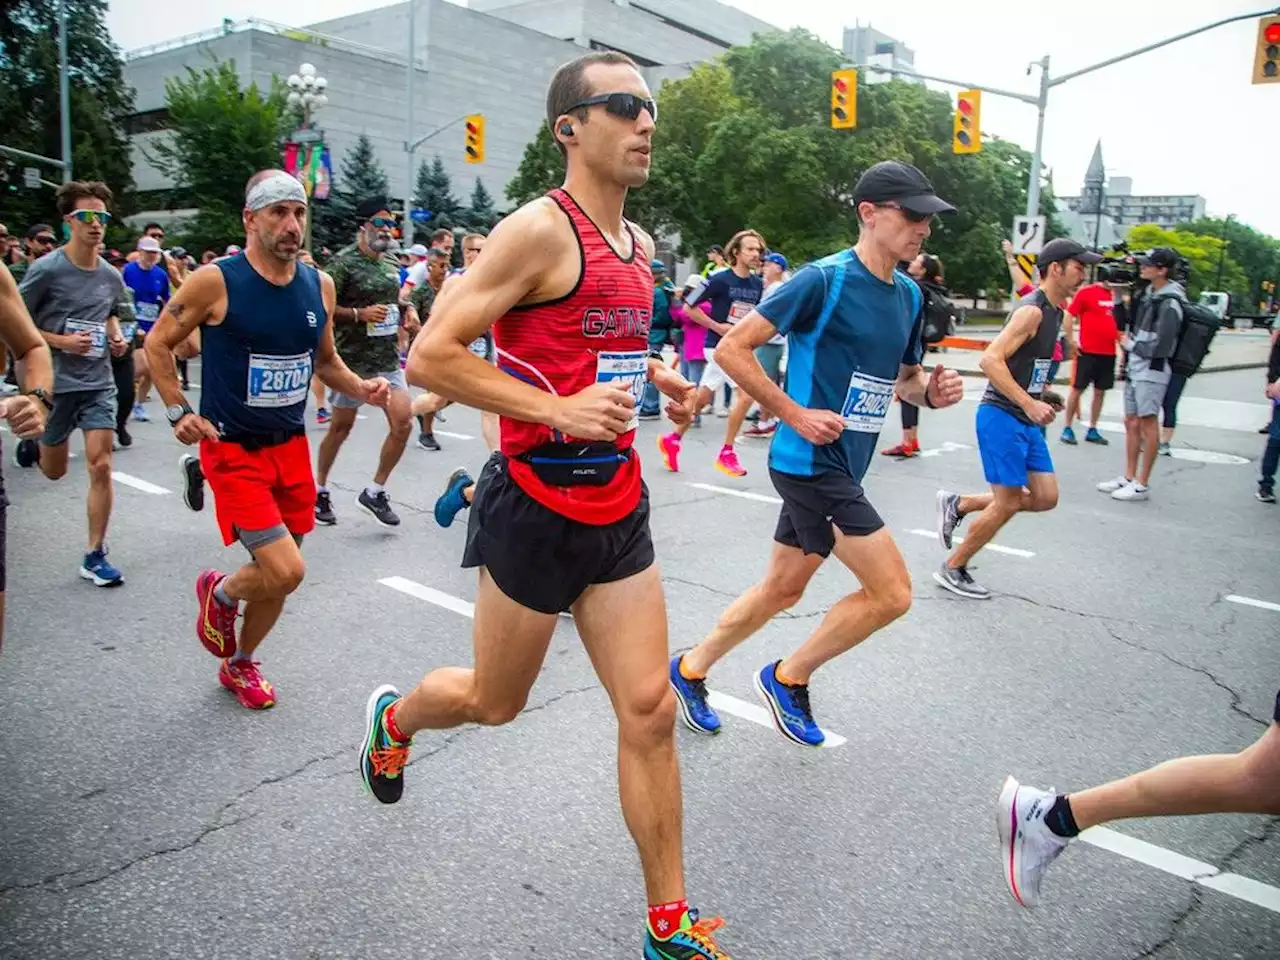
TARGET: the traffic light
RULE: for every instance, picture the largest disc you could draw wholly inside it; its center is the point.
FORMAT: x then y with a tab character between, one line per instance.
1266	59
475	138
844	99
966	135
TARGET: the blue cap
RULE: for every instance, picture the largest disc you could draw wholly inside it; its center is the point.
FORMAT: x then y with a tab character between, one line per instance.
657	265
779	259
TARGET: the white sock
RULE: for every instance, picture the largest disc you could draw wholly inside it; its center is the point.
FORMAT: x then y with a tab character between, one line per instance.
322	489
238	656
374	489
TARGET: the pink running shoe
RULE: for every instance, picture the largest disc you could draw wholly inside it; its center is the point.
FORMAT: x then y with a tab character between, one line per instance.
245	680
728	463
669	447
215	622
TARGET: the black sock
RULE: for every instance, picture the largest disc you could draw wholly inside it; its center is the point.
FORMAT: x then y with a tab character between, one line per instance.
1059	819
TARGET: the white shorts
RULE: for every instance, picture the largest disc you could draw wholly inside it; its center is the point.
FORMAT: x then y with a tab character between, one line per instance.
713	377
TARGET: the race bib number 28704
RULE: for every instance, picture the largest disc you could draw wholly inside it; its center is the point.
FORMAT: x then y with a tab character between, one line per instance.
867	402
277	381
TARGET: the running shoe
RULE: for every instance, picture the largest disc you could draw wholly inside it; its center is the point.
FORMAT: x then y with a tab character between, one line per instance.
215	622
1093	436
1165	450
669	447
1111	486
1266	495
378	504
323	416
958	581
192	481
728	463
761	431
649	416
140	413
903	451
453	500
949	517
1027	845
123	438
693	941
245	680
324	509
1069	437
1130	492
691	695
382	759
427	441
26	453
789	707
97	568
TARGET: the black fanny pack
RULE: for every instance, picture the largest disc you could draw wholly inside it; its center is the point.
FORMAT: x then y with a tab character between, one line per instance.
592	464
260	441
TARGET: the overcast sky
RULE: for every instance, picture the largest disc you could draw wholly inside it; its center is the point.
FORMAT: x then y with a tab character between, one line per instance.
1181	120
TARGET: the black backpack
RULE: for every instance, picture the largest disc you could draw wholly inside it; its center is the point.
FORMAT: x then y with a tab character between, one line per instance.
1199	326
939	313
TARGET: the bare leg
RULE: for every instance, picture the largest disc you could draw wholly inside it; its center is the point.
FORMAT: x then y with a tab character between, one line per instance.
704	397
53	460
259	617
1132	445
275	571
318	391
399	424
1095	412
489	429
1041	494
910	435
1073	407
737	416
97	451
1149	428
344	418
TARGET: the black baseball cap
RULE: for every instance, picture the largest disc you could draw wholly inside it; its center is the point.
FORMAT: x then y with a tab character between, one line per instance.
1159	257
892	181
1064	248
367	207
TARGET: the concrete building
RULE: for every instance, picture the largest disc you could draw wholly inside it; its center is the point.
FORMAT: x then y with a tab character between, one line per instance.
1120	208
867	45
495	58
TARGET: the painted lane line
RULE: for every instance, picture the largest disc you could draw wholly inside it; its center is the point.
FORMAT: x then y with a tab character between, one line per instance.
454	436
759	714
1206	874
439	598
1250	602
729	491
947	447
1012	551
137	483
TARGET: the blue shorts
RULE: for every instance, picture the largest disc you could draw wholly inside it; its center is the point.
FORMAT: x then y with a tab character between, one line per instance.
1010	449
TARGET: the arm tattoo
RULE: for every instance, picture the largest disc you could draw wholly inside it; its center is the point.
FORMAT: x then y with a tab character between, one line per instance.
177	310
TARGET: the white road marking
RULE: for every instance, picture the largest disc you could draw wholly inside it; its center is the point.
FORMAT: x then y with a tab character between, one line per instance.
455	436
1250	602
439	598
137	483
947	447
759	714
1197	871
1012	551
1183	453
729	491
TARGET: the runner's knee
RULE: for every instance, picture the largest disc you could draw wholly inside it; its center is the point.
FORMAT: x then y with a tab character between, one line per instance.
399	430
783	590
892	600
1042	501
283	577
496	713
99	470
647	711
1262	768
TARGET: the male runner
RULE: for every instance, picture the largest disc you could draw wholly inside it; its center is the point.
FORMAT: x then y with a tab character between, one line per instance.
725	299
264	321
442	241
25	414
854	325
149	281
366	326
1036	825
423	296
1014	411
72	293
561	516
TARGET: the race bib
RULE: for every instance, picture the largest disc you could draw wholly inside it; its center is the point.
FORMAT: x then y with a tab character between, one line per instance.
277	381
129	330
147	312
388	327
480	347
1039	377
97	332
866	403
738	310
628	370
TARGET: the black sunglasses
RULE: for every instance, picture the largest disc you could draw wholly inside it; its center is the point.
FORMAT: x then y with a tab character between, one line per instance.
911	215
44	238
625	105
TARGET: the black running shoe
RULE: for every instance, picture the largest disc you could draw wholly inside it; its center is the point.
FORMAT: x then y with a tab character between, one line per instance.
427	441
324	509
380	506
26	453
1266	495
124	437
192	481
382	759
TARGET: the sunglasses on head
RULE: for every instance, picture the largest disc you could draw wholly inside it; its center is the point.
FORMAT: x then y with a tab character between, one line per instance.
92	216
382	222
625	105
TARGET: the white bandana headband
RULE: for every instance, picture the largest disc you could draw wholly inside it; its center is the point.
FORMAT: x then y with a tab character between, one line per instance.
277	188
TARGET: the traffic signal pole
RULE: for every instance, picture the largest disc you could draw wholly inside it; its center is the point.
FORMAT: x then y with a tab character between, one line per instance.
1047	83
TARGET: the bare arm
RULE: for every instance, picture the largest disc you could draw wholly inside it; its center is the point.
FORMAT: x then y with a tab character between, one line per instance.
329	366
201	300
22	338
995	359
736	355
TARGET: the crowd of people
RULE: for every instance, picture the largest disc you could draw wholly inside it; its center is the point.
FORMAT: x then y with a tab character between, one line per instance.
554	331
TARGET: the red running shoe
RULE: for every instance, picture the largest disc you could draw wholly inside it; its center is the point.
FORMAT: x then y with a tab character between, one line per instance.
215	622
245	680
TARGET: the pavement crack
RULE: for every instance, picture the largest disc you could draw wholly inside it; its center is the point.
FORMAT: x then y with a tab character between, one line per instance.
1101	617
1197	899
701	586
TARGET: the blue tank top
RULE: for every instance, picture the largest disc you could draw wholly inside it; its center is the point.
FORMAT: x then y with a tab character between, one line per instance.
257	362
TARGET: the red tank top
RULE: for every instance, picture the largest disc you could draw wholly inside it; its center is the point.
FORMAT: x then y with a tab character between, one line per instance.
600	330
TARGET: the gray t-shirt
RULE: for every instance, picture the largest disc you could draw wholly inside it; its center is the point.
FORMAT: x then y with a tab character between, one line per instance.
64	299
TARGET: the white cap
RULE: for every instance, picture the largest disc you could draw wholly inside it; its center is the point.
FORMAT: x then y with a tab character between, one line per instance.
149	245
417	250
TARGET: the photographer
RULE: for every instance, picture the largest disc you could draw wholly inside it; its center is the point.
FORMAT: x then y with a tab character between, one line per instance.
1151	341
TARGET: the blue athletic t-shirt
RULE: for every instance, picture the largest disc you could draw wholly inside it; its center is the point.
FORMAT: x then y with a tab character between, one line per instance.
728	298
150	292
848	333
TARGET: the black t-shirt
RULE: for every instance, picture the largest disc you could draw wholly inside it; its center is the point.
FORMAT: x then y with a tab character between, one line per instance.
1030	362
727	297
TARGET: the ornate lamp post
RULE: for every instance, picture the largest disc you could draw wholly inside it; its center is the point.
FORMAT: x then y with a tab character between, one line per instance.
306	96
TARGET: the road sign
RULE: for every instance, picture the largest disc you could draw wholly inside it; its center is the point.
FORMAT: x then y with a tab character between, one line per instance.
1027	261
31	178
1028	234
418	215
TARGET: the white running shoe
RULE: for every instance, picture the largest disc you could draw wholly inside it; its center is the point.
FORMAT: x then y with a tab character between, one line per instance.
1111	486
1130	491
1027	845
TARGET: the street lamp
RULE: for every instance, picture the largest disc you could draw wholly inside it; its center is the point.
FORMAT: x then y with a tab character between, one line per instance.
307	92
306	96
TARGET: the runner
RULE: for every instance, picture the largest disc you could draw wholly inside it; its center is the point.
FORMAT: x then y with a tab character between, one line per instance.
1014	411
1036	825
569	302
26	414
853	323
71	293
366	323
726	298
264	321
149	281
422	295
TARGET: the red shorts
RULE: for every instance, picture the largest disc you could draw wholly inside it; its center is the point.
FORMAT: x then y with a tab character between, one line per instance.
260	489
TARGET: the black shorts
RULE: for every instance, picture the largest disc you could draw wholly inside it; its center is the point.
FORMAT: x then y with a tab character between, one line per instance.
1277	714
1096	369
4	511
812	505
541	559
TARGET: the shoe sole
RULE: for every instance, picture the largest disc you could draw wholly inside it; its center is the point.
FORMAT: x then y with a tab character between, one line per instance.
186	482
673	466
370	713
1010	850
948	585
943	497
773	712
231	689
87	574
728	472
686	716
372	513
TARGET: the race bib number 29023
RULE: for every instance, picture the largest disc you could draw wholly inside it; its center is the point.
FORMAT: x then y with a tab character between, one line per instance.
1039	377
867	402
628	370
278	381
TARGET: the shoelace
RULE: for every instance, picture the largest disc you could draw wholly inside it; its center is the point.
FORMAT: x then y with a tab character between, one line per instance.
801	697
701	933
389	761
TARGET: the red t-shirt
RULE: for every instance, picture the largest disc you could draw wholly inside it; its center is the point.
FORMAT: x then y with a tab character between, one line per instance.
1092	307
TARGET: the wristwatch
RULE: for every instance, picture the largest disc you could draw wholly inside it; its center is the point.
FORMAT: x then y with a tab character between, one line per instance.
39	394
176	412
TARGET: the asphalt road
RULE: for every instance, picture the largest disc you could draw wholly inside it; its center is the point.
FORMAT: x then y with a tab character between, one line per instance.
146	815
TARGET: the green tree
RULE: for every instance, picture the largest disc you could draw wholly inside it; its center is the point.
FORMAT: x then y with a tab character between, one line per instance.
541	169
30	115
221	136
480	215
1257	253
361	177
435	192
1204	253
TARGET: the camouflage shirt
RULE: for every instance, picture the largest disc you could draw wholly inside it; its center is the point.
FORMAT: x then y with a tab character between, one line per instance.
369	349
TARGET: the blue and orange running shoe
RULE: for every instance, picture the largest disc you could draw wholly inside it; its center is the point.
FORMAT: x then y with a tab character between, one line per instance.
693	941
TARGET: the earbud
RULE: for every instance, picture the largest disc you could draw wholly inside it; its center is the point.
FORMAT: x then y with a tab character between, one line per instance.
566	129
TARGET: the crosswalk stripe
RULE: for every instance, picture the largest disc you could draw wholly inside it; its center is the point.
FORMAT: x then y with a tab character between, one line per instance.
146	486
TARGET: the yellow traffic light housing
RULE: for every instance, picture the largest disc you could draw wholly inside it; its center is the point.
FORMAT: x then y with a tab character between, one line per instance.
844	99
1266	58
475	138
966	136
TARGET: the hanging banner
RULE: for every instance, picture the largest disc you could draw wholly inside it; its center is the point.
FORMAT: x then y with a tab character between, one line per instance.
324	175
291	159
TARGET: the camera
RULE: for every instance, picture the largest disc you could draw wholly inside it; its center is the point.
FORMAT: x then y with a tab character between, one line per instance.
1120	269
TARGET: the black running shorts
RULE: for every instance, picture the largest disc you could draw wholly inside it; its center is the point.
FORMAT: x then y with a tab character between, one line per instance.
1277	714
1094	369
541	559
4	511
811	506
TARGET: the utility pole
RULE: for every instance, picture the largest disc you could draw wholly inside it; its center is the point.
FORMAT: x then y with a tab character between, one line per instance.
1222	254
64	90
406	225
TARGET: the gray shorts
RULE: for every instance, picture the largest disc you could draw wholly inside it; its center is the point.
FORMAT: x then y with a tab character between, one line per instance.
1142	398
82	410
340	401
